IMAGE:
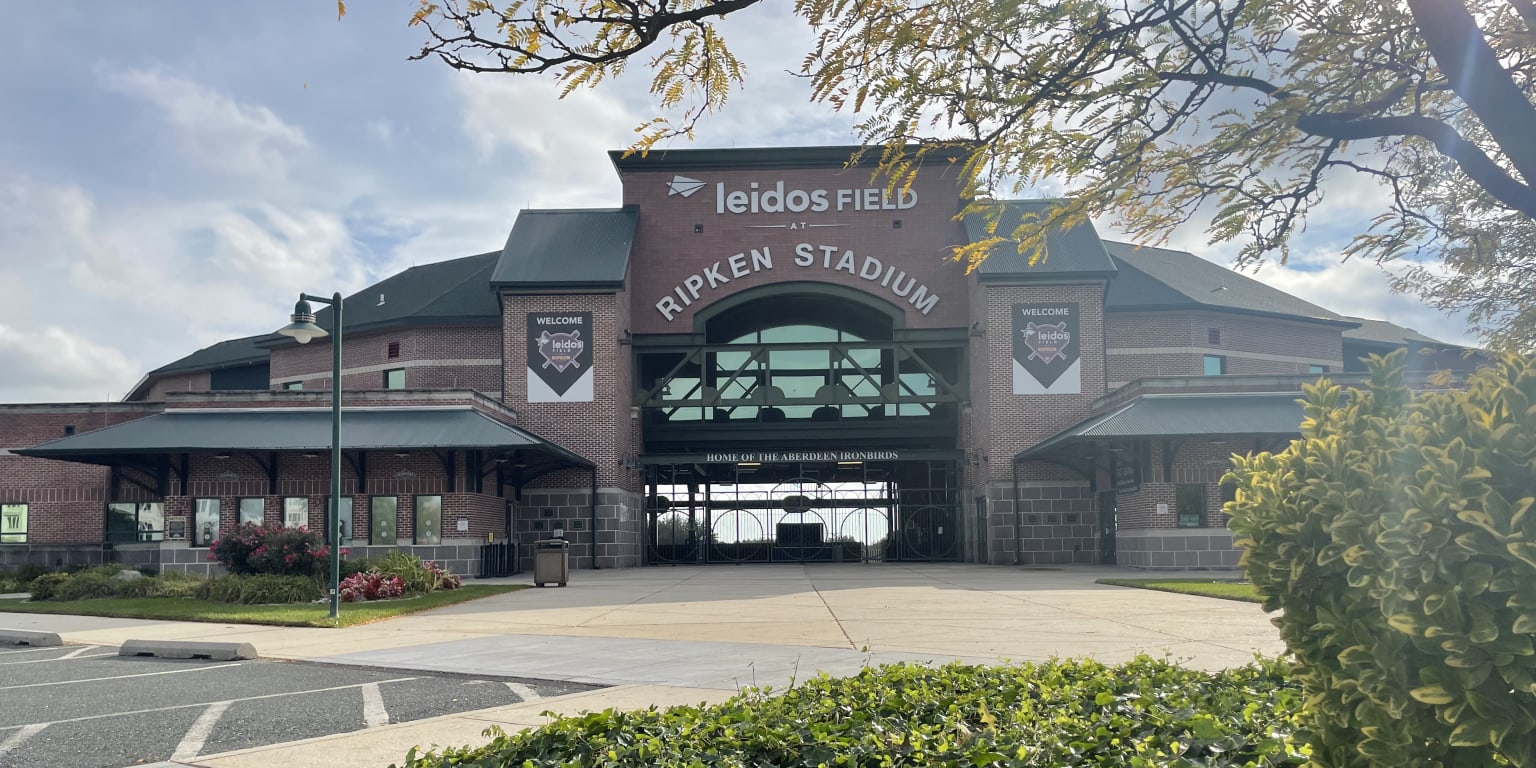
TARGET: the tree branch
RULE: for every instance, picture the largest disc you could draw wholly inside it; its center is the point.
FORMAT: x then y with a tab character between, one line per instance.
1475	74
1477	165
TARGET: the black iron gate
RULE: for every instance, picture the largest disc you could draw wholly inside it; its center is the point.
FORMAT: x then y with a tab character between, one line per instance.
800	513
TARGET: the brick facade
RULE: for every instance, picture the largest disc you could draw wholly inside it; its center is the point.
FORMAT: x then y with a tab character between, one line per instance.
442	357
687	255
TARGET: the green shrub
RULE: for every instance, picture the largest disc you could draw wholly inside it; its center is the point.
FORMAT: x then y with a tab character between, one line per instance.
360	565
86	585
145	587
411	570
43	587
178	584
259	589
1061	713
1399	539
9	585
26	573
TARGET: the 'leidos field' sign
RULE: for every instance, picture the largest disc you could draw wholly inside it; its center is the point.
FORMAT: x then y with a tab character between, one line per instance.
560	357
1047	354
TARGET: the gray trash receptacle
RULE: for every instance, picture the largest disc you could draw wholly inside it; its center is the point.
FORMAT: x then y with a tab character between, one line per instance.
551	562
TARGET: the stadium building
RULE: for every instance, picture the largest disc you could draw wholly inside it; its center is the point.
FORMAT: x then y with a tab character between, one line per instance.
761	355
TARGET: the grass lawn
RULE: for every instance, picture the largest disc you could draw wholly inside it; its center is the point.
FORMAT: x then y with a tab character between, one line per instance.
1226	590
296	615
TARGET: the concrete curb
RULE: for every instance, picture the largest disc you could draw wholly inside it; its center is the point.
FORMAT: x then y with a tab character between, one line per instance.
182	649
23	637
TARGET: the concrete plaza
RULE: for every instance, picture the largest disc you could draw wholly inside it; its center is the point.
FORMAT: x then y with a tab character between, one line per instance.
667	635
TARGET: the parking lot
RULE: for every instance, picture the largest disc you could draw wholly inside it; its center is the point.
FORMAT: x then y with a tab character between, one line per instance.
86	707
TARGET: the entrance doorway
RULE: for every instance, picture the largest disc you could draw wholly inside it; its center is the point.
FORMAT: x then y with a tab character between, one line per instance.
1108	523
822	510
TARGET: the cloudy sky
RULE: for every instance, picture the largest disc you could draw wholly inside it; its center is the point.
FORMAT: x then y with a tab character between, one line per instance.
172	175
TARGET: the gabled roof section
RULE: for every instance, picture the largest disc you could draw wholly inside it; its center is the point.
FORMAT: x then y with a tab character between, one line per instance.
453	291
225	354
1160	278
571	248
1381	332
1075	252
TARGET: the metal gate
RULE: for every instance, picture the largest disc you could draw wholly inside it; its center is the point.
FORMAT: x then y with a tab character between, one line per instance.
804	513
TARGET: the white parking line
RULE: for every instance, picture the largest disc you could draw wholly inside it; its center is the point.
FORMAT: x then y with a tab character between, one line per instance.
172	708
119	677
197	735
26	732
32	650
374	714
523	692
61	658
78	651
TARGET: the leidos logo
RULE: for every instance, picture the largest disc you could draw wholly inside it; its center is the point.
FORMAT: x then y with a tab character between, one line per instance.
758	198
682	185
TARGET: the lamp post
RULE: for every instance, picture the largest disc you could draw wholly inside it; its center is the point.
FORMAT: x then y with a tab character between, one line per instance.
302	329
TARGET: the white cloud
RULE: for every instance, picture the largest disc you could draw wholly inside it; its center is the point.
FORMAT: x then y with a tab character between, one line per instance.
62	366
220	133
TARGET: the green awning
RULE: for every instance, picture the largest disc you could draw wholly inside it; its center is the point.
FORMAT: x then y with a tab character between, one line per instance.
1208	415
213	430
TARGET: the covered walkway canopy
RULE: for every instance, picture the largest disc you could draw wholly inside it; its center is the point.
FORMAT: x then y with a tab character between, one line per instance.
1269	419
161	443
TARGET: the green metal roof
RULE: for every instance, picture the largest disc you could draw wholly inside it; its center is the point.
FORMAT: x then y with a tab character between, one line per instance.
303	429
453	291
1383	332
1160	278
225	354
1183	415
567	248
1076	252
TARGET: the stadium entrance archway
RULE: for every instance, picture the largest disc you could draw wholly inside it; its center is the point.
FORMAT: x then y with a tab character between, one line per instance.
801	423
845	506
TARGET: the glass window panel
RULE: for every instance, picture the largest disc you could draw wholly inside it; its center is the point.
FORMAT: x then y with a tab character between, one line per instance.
122	522
346	519
799	360
1215	365
383	517
1190	501
726	362
429	519
205	522
798	333
868	359
253	511
296	512
1317	369
13	523
294	386
394	379
151	521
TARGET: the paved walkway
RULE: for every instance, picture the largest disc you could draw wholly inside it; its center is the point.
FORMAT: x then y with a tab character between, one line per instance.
710	630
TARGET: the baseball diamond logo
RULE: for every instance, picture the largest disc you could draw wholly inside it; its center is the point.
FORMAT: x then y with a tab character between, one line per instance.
1047	342
559	357
1046	356
682	185
561	349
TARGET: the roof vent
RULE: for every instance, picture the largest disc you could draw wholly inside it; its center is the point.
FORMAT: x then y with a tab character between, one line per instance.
381	300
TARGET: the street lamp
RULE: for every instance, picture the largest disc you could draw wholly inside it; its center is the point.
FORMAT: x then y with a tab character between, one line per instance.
302	329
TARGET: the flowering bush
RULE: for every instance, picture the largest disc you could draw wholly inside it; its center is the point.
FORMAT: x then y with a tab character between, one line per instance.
371	585
443	579
255	549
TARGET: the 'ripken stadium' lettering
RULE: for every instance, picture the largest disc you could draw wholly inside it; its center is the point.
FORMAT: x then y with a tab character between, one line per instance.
808	256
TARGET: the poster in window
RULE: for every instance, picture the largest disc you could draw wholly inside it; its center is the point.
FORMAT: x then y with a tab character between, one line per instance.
560	357
1047	351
